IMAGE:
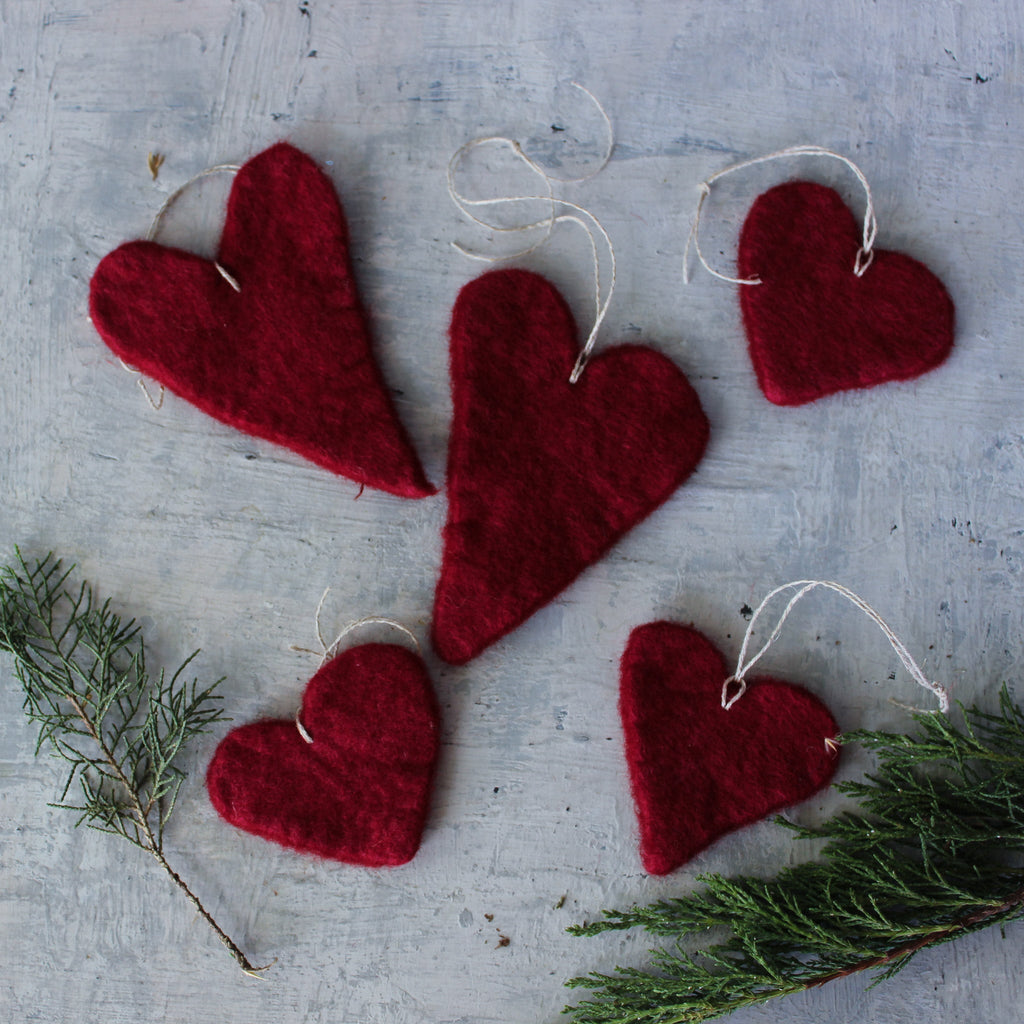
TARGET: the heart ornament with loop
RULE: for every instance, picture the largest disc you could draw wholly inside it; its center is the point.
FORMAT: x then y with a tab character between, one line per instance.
709	753
824	310
555	452
270	336
350	778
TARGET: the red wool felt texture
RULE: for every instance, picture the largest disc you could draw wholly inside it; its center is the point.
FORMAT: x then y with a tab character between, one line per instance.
360	792
545	476
814	327
697	770
288	358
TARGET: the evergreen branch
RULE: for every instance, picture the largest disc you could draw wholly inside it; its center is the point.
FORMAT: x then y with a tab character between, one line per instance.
933	851
83	674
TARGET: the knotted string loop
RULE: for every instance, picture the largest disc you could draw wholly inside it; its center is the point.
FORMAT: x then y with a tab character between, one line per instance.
803	587
157	403
329	650
865	254
177	194
468	205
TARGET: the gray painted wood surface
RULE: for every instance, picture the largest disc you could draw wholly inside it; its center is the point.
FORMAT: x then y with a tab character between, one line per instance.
910	494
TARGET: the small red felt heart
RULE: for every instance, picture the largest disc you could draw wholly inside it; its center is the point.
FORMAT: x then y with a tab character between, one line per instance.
360	791
545	476
287	357
813	326
697	770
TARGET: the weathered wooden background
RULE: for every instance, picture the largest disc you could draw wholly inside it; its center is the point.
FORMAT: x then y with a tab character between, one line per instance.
910	494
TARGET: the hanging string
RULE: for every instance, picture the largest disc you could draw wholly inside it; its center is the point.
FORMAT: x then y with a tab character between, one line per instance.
467	206
803	587
177	194
180	191
865	254
157	403
329	650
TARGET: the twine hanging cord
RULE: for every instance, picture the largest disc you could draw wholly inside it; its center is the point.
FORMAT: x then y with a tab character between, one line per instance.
738	683
865	254
467	205
157	403
329	650
177	194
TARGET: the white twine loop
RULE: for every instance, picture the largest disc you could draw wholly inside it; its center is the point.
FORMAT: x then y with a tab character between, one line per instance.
181	189
329	650
177	194
865	254
466	205
157	403
738	679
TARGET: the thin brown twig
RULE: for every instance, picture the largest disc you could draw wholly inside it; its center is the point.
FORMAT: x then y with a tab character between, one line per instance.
1014	900
155	848
1011	902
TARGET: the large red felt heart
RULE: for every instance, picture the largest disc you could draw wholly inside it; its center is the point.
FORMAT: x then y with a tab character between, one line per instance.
697	770
813	326
287	357
545	476
360	791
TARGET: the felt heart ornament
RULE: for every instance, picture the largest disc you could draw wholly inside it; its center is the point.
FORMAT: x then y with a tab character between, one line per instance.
698	770
813	326
286	357
545	476
353	783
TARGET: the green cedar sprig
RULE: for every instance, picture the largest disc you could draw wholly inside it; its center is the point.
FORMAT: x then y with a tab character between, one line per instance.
84	677
932	852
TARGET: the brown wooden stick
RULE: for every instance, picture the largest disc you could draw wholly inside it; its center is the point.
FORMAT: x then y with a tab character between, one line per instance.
154	847
1015	899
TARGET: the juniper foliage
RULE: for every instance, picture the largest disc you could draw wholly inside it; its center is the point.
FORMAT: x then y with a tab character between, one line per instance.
120	730
933	851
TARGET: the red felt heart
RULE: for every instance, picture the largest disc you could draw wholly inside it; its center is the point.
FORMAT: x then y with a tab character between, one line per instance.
287	358
697	770
813	326
360	791
545	476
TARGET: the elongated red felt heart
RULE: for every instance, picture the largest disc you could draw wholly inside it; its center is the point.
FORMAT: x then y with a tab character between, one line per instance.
813	326
287	357
697	770
360	791
545	476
